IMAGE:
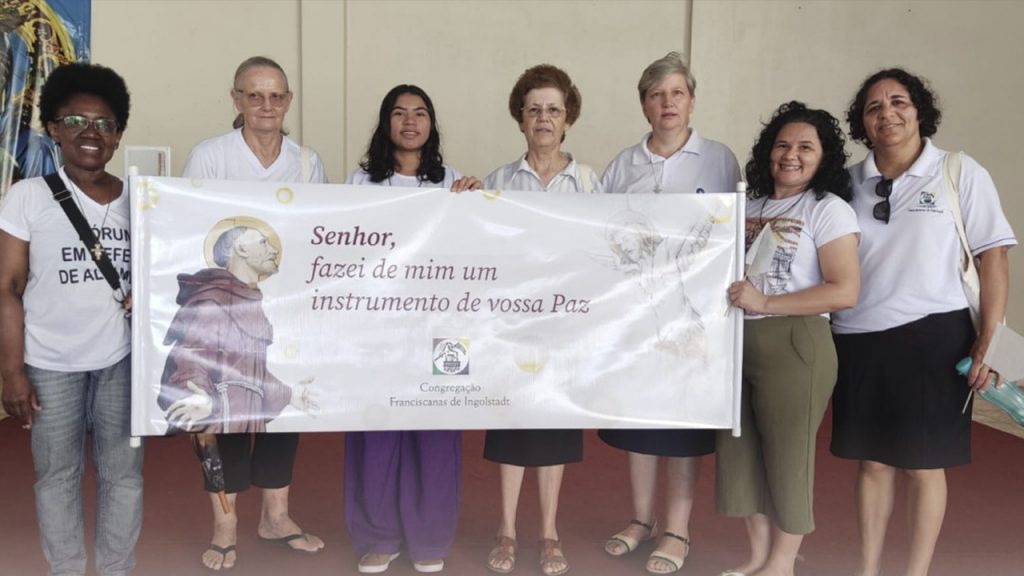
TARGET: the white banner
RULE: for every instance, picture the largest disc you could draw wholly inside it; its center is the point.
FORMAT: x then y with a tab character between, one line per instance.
259	306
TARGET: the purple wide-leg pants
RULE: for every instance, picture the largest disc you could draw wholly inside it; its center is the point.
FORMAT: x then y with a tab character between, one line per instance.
403	486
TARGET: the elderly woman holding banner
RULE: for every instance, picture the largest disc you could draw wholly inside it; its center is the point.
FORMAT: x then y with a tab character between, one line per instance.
804	238
671	158
545	104
256	150
403	486
899	405
64	341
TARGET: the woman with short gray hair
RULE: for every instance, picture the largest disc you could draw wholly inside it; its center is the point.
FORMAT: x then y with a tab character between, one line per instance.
674	158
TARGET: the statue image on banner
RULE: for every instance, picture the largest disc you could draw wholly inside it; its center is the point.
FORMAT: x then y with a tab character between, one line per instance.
215	379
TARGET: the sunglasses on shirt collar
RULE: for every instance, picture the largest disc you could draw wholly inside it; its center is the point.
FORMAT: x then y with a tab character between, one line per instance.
883	209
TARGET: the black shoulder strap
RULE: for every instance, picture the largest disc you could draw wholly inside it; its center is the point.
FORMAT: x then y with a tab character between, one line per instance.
63	197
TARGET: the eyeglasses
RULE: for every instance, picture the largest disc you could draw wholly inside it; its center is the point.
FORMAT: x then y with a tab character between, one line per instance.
882	210
80	123
553	112
256	99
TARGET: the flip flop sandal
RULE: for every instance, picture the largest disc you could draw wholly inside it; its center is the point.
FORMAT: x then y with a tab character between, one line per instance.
628	542
223	551
287	540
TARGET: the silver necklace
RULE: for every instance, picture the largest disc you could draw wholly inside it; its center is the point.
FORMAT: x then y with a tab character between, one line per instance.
97	248
657	177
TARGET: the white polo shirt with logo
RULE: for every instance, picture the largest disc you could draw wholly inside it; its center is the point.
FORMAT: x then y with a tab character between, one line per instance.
909	267
701	165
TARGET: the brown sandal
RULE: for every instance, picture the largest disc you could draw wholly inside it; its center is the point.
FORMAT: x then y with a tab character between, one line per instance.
504	551
551	556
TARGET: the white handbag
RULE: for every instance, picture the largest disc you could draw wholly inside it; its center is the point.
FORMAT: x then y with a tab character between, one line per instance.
968	268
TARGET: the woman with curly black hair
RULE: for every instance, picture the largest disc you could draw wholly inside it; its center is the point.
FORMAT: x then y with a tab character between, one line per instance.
804	237
899	407
64	341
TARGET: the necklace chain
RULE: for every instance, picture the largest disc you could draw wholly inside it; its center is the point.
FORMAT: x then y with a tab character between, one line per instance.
792	205
97	248
657	177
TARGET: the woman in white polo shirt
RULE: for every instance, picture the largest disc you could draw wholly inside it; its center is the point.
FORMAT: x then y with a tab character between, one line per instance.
899	406
545	103
672	157
800	226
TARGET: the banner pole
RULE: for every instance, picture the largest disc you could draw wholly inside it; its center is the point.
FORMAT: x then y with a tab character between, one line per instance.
737	369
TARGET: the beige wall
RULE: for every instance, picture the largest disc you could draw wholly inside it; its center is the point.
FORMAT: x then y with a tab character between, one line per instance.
178	57
752	56
342	56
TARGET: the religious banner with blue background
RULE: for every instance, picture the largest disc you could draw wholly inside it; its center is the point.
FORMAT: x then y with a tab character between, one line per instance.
36	36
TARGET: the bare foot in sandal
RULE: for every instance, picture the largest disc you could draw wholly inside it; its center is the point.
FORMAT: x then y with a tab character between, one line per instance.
631	537
502	558
221	553
670	555
552	560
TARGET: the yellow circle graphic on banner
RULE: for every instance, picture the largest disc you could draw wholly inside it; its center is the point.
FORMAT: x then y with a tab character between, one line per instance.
285	195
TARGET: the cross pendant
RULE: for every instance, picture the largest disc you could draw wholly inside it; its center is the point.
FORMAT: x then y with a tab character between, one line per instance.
97	251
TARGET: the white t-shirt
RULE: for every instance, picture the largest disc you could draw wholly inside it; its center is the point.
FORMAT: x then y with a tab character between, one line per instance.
701	165
520	176
800	225
363	177
72	323
909	267
228	157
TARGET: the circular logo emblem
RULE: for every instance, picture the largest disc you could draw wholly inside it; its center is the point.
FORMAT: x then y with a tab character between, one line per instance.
451	356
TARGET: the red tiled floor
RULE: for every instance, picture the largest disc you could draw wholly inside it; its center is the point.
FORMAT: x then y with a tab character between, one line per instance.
983	533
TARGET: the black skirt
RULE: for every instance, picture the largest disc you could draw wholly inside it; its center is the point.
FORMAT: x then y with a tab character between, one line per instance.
534	447
899	399
671	442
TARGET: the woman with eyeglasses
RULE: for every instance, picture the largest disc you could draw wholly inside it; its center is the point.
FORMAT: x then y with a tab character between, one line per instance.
797	219
65	342
257	149
671	158
545	104
899	407
403	486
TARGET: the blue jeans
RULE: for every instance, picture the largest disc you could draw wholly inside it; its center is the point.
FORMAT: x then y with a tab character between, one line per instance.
74	403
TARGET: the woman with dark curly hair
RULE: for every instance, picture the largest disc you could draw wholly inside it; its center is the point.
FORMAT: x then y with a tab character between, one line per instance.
804	237
402	486
899	406
544	103
64	341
